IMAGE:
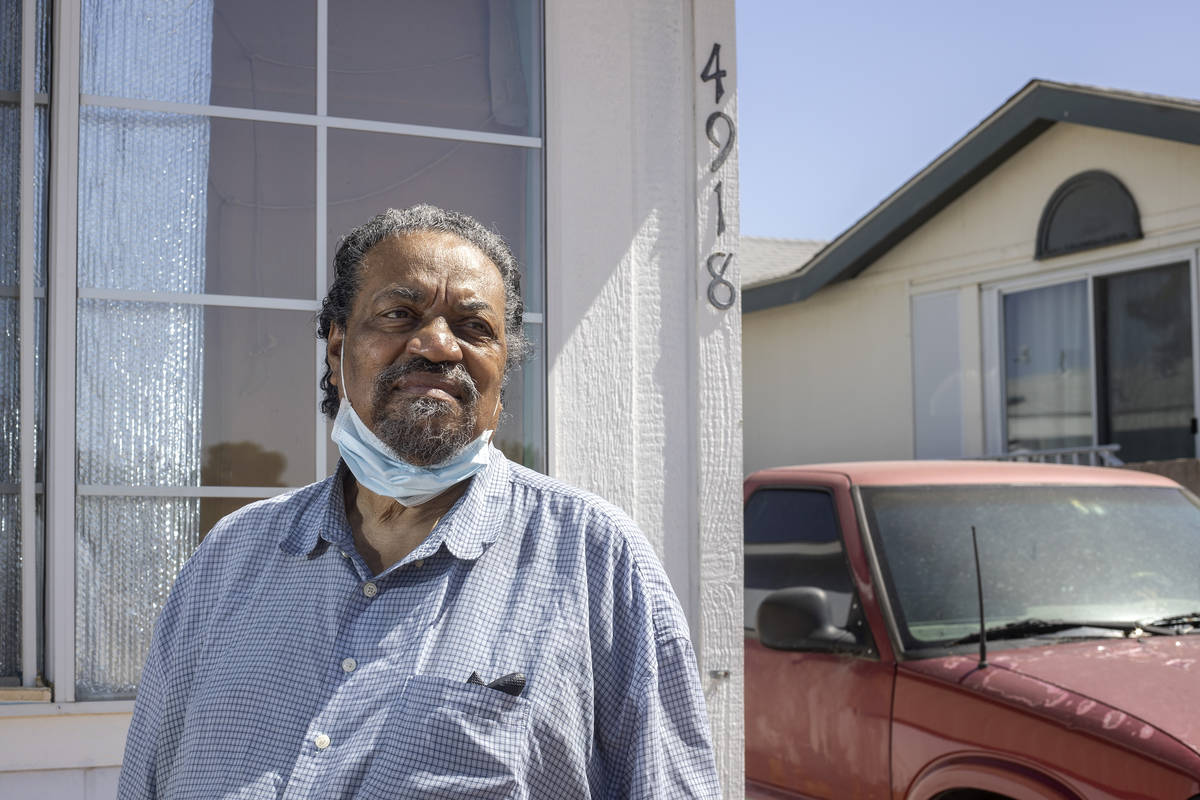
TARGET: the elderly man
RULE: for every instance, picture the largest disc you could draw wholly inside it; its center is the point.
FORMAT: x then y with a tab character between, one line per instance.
431	621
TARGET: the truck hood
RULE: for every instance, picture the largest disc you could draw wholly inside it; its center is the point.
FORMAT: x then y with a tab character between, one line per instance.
1121	688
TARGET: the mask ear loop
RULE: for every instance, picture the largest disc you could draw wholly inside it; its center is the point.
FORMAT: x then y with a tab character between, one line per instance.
342	371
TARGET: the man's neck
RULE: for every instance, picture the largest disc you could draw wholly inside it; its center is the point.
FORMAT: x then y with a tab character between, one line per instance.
386	531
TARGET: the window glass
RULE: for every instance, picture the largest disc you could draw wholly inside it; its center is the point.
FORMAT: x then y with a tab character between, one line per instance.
222	206
147	51
262	210
130	550
10	46
1048	368
228	392
792	539
469	64
1144	332
369	172
222	393
13	204
522	428
262	58
1089	553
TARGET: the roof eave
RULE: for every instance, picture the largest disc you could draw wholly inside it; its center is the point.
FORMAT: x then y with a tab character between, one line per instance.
1019	121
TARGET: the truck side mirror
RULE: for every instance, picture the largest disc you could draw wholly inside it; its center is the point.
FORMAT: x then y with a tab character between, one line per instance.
797	618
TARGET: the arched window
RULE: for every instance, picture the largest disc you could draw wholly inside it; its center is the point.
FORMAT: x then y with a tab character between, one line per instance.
1092	209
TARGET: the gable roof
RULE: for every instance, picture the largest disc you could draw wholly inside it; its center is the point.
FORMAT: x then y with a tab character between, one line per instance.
1025	116
763	259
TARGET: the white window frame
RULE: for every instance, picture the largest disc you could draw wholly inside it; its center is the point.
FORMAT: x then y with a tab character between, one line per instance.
59	620
992	321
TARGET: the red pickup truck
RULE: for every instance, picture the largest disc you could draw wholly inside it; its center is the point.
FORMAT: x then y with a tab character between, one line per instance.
954	630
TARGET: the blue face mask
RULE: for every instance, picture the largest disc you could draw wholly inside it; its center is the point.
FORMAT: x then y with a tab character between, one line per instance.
378	467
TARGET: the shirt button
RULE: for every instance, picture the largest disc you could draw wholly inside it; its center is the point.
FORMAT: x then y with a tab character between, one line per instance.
420	562
349	665
321	741
345	554
370	589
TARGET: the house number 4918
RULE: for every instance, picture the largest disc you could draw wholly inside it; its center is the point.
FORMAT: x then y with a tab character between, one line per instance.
721	132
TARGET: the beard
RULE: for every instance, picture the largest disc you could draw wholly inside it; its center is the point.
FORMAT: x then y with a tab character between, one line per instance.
425	431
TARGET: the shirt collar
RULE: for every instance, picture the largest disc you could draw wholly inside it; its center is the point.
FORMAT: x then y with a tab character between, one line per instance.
467	529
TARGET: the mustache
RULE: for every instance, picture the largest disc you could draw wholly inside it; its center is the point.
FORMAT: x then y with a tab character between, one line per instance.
456	373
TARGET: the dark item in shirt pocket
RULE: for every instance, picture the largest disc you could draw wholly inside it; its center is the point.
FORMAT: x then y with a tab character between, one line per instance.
462	739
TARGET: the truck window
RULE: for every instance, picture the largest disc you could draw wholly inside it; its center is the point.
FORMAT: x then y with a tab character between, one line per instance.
792	539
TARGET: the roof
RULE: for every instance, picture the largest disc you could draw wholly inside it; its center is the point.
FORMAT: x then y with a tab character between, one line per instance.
958	473
1026	115
763	259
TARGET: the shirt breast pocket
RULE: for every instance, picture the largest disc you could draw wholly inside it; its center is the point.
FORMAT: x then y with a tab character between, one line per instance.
462	740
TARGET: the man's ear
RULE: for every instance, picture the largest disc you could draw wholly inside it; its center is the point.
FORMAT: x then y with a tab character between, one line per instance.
333	353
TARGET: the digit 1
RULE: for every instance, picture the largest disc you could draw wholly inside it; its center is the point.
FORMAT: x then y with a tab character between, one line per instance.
720	209
713	72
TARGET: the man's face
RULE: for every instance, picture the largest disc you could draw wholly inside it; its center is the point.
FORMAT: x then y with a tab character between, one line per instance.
424	345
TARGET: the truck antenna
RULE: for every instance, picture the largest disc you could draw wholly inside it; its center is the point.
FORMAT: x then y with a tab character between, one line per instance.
979	585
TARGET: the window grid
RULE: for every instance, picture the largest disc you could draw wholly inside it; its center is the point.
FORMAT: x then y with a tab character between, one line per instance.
28	267
58	620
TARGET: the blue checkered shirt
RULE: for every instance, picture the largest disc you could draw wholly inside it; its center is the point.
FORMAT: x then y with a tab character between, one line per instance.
281	667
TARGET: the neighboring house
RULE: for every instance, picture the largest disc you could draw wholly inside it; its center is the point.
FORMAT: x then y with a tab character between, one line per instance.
1035	287
173	180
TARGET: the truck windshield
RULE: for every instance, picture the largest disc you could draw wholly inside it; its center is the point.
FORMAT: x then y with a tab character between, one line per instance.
1092	554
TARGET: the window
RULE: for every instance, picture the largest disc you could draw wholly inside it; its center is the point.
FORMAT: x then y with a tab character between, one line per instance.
792	539
223	147
1104	359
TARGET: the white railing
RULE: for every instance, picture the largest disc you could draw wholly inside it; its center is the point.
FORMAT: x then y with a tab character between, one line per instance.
1104	455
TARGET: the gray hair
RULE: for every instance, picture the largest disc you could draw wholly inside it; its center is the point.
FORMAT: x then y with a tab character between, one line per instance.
347	263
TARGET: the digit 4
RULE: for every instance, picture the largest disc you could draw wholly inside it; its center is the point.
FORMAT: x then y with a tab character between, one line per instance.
713	72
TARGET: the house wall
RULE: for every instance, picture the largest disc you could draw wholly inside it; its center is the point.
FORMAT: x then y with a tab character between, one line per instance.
847	392
829	379
644	376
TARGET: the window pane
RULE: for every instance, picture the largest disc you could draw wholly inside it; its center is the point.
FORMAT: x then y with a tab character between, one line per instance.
10	46
498	185
264	55
1048	368
12	205
260	398
170	202
224	52
523	422
143	181
147	51
261	226
1144	321
471	64
792	539
130	549
173	395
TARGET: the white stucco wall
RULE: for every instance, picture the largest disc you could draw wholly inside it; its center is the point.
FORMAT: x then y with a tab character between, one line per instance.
840	362
644	378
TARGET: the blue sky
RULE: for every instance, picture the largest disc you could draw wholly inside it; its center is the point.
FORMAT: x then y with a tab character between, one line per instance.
840	103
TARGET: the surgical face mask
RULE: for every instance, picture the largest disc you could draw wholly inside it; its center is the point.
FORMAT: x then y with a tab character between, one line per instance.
378	467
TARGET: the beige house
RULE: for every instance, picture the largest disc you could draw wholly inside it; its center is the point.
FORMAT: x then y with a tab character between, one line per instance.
1034	288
